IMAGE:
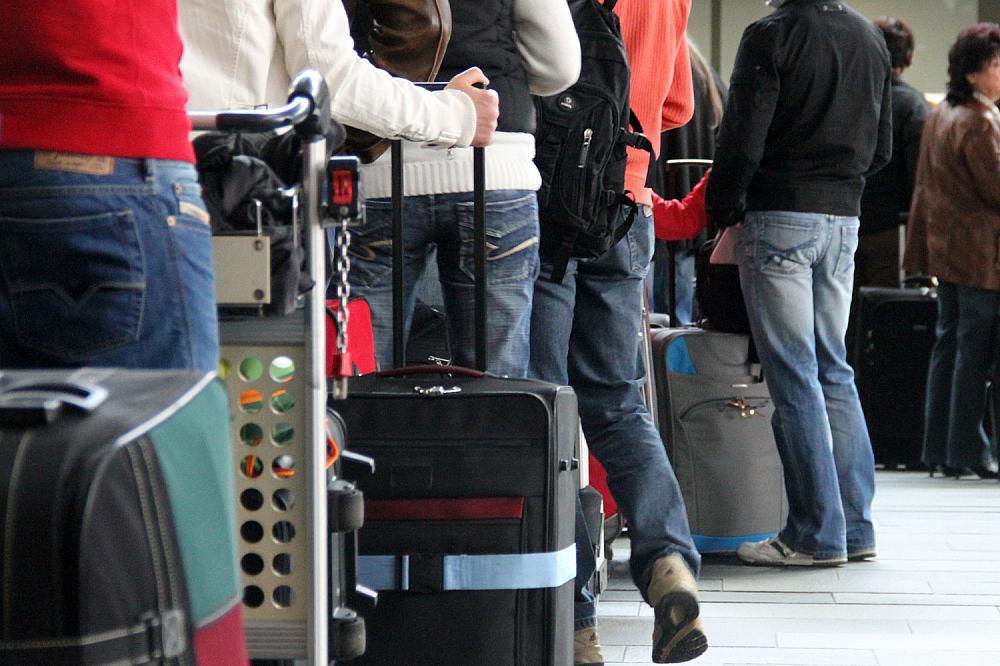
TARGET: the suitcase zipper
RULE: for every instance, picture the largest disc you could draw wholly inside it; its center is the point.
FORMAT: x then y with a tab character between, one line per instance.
172	646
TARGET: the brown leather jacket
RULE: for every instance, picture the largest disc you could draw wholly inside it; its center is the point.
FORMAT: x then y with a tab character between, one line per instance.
954	228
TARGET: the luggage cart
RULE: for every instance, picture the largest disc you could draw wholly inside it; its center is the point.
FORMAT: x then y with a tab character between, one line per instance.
275	373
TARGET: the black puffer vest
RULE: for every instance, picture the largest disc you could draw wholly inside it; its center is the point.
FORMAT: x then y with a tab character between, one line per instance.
482	35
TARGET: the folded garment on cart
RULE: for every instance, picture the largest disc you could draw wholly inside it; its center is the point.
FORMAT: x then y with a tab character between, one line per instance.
249	186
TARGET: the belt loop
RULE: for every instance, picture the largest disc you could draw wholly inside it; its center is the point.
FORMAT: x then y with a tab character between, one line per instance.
149	166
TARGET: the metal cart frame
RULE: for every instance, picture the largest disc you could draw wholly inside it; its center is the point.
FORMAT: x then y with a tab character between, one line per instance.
283	516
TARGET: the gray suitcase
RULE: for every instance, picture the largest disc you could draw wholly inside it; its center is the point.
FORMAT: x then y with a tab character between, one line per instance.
715	420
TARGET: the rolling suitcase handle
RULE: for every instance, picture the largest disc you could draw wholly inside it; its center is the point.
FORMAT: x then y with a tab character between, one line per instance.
412	370
672	167
479	241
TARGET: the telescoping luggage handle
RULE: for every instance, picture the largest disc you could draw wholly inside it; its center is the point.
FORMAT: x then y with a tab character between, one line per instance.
308	113
479	241
673	166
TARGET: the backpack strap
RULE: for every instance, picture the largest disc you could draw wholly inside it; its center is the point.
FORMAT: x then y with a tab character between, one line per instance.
560	260
629	220
637	139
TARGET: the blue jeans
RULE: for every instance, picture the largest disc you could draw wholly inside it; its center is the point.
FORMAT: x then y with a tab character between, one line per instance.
797	271
684	276
585	333
107	269
956	383
445	221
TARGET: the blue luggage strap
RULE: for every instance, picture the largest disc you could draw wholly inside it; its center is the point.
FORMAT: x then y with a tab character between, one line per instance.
447	573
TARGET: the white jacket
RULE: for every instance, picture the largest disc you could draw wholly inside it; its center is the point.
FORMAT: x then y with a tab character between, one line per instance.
244	53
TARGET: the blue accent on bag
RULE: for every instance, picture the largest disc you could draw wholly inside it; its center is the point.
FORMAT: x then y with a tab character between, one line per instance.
515	571
679	359
710	544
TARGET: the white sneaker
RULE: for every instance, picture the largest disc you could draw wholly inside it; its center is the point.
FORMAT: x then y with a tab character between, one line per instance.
772	553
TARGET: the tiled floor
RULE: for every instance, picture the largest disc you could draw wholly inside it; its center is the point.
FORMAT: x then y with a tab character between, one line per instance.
931	598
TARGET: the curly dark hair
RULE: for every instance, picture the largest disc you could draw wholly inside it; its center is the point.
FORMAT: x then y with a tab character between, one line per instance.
899	39
976	46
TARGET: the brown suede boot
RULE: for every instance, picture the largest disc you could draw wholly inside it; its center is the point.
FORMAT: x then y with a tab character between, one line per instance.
587	648
678	634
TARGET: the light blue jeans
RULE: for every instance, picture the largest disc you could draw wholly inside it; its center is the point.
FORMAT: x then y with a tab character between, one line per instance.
797	271
684	285
963	354
105	269
445	221
585	333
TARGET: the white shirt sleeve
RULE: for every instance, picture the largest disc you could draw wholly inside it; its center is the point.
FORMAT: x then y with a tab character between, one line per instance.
315	33
548	44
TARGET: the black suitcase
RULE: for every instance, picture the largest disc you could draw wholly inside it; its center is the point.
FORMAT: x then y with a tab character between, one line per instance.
892	354
469	517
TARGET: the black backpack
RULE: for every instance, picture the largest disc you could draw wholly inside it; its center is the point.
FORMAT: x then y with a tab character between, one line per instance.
580	144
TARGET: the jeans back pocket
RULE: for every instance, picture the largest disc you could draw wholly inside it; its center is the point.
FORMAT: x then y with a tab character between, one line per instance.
511	238
75	285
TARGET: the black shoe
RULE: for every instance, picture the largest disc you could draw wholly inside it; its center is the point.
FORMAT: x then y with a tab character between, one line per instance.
982	471
985	471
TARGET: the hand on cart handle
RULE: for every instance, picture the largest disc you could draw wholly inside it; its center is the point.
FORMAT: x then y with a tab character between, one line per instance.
486	102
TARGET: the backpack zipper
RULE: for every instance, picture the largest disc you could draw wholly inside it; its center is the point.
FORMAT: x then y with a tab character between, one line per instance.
588	134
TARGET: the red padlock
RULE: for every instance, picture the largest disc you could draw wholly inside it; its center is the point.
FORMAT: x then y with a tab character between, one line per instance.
341	365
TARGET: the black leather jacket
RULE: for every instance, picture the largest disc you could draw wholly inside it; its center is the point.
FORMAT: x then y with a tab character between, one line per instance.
808	116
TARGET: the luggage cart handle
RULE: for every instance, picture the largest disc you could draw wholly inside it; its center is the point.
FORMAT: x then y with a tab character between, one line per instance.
308	96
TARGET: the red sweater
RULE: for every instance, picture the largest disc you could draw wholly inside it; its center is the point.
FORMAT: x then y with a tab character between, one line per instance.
680	219
98	77
662	95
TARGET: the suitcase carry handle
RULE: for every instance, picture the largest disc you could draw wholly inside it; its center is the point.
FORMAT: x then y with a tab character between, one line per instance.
33	404
432	370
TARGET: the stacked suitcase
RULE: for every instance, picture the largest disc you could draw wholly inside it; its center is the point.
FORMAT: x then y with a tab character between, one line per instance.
469	526
116	497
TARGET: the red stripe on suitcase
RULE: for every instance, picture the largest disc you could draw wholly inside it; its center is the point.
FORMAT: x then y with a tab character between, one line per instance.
463	508
221	642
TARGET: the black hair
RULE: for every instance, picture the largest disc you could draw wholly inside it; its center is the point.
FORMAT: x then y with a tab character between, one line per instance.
975	47
899	39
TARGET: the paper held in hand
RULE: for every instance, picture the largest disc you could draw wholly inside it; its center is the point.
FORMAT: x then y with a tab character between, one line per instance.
725	247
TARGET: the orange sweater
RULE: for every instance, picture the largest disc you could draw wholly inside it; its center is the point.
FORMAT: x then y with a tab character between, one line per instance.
662	96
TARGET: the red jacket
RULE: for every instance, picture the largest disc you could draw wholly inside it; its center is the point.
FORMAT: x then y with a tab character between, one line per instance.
98	77
681	219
